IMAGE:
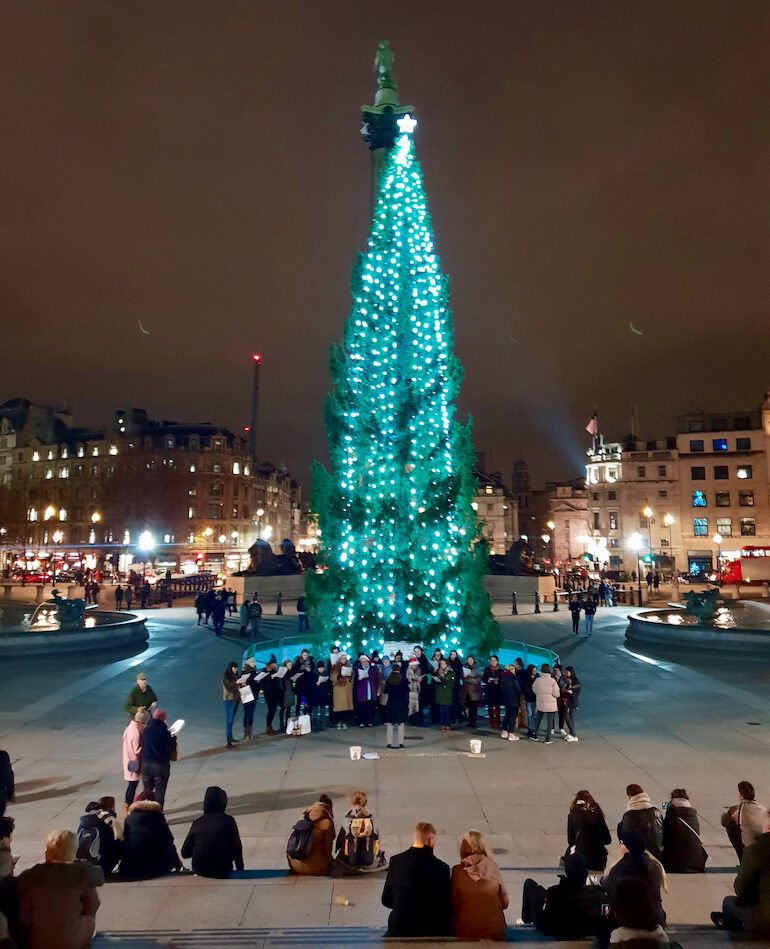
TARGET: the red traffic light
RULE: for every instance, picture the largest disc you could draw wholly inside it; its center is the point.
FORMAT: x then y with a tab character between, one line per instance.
256	357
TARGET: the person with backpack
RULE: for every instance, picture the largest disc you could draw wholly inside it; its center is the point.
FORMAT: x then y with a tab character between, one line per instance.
358	843
213	841
309	848
100	835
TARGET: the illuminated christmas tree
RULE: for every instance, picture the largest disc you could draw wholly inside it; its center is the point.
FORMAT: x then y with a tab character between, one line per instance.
398	535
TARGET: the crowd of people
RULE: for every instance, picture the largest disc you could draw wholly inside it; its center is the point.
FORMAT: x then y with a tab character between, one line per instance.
447	691
54	903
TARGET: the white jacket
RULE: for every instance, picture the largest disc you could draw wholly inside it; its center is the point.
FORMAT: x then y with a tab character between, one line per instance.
546	690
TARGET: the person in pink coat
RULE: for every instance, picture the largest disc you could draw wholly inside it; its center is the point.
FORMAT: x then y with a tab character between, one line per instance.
132	762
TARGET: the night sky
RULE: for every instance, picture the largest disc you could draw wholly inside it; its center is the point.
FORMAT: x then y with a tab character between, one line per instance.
198	166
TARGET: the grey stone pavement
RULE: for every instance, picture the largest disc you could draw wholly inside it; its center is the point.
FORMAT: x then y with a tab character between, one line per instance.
663	721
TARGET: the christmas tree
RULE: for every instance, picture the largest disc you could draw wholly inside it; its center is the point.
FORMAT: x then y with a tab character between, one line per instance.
399	541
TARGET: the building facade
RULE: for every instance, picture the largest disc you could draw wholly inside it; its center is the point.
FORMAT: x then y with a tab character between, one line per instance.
192	491
497	512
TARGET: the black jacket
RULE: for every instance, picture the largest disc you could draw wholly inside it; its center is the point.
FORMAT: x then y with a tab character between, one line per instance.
643	909
573	912
157	744
320	695
7	787
397	708
587	831
213	841
509	690
648	823
491	680
682	850
148	844
417	892
273	688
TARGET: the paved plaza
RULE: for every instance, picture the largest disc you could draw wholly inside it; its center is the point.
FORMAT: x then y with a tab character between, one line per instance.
663	721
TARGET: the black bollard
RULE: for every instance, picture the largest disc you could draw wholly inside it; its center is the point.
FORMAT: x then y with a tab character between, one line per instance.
279	604
537	601
514	607
631	596
555	602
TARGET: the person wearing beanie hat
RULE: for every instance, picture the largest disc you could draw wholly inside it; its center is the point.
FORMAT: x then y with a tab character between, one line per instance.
158	748
570	910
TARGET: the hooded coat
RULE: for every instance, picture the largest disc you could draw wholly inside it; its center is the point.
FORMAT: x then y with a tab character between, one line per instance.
479	899
318	863
148	844
132	742
683	851
213	841
643	819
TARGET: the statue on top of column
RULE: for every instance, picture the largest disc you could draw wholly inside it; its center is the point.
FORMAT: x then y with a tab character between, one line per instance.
383	66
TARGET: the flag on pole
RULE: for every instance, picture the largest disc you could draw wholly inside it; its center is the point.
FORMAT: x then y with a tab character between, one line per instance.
593	426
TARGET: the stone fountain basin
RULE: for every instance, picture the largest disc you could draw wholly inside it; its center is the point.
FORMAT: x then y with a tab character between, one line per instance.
106	629
743	626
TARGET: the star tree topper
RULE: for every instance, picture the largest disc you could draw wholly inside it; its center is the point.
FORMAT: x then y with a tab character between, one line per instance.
406	124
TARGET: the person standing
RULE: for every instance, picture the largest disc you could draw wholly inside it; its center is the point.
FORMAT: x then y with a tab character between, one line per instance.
509	696
118	597
249	677
145	594
575	606
320	696
425	686
243	616
342	692
546	691
414	682
303	667
365	683
230	602
231	696
744	821
272	686
255	615
129	596
200	606
158	748
209	599
656	581
7	781
218	614
587	832
530	699
589	608
417	889
470	691
445	684
304	623
132	756
456	665
569	690
287	694
491	679
397	707
141	698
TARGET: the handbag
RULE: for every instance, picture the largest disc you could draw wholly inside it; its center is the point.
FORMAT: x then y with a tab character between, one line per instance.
133	767
694	831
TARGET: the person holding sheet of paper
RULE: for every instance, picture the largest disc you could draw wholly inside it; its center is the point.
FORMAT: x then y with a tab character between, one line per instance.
342	691
303	678
231	697
366	681
249	691
272	686
320	697
287	693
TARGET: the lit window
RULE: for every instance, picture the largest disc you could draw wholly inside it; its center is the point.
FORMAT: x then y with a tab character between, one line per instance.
699	499
746	498
700	526
488	489
48	474
126	537
191	512
696	444
748	526
64	472
62	513
613	520
167	538
81	451
36	456
192	469
745	471
236	468
32	514
720	444
246	470
725	526
50	454
95	450
217	469
113	449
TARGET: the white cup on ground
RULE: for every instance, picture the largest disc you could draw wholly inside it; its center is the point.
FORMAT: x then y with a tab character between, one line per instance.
355	752
475	746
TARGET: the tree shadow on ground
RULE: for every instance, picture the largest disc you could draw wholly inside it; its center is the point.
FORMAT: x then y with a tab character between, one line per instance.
53	792
38	783
258	802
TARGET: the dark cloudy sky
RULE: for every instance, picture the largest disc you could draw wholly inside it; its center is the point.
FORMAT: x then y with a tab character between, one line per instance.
198	165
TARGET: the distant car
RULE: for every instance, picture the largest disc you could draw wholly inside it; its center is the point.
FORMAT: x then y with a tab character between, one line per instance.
37	577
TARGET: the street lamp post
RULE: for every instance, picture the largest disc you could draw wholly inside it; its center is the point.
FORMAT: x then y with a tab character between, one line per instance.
649	514
635	542
260	515
552	528
668	520
146	544
718	542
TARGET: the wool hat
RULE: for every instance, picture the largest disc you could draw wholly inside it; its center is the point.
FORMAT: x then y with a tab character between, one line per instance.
145	796
633	842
